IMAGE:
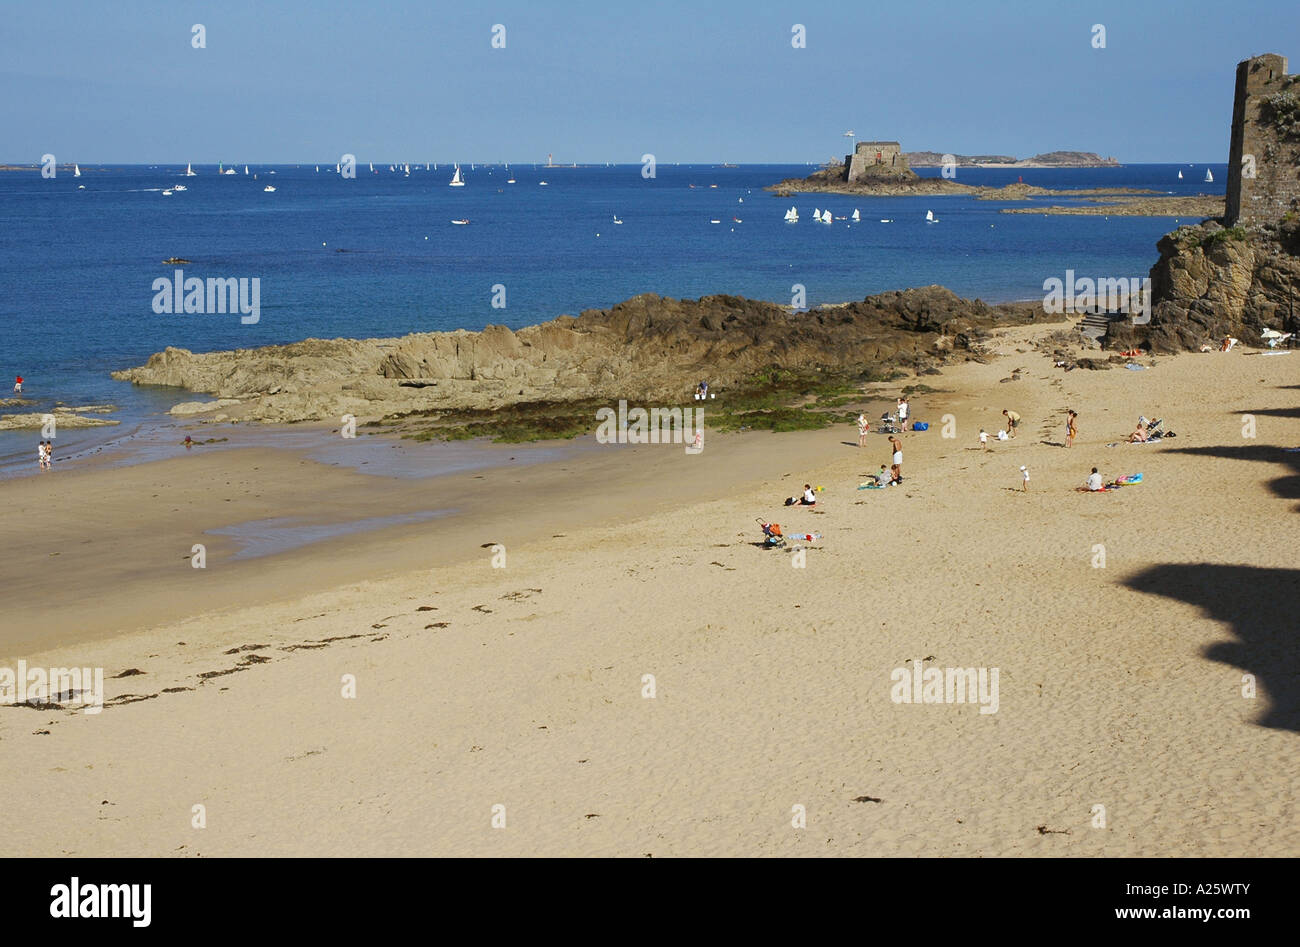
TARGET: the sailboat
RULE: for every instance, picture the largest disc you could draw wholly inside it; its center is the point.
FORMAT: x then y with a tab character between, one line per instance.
318	169
817	214
372	167
179	187
1209	178
1180	175
826	217
511	180
456	179
792	216
76	170
407	169
616	220
189	171
245	170
337	168
930	218
855	216
426	166
269	189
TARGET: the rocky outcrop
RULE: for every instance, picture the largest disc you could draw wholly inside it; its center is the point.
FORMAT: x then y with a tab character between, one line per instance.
1212	282
645	348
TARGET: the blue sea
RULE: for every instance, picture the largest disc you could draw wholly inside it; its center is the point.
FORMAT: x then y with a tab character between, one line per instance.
378	255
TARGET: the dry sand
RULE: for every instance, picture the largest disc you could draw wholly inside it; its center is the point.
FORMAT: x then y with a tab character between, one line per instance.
523	686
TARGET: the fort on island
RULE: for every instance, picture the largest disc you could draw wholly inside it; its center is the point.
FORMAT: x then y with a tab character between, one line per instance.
877	160
1264	150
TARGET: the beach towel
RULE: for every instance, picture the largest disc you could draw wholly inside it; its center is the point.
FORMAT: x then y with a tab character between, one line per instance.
870	485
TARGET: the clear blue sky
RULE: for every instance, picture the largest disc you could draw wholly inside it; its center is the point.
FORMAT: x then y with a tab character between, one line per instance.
117	81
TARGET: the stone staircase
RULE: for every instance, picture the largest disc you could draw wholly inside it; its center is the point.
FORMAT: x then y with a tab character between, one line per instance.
1096	324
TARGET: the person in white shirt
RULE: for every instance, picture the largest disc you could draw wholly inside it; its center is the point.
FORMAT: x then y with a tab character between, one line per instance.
902	413
1024	485
1094	480
984	439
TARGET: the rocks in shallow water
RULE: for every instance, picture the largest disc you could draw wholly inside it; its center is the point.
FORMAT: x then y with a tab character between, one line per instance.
647	348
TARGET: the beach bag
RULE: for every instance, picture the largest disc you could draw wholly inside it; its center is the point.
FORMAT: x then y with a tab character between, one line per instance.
921	426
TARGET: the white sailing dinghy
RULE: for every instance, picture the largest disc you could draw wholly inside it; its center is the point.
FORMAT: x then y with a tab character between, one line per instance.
76	170
855	216
616	220
1180	175
792	216
930	218
1209	178
189	170
456	179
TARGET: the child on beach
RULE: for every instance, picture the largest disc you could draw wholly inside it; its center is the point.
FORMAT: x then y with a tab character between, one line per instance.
1070	430
864	426
1094	480
984	439
40	455
1024	484
18	385
883	478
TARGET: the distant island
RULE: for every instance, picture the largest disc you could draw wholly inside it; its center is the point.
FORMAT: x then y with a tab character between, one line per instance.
1052	159
883	169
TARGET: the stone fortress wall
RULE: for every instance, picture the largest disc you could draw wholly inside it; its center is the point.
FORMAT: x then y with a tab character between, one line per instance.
1264	153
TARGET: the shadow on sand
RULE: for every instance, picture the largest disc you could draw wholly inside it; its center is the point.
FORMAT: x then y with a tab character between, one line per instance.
1261	605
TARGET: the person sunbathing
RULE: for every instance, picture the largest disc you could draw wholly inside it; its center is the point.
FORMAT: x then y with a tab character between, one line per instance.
1139	435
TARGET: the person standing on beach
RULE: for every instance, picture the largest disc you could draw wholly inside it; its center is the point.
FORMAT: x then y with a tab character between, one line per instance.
1070	430
897	466
49	455
902	414
984	439
18	385
864	427
1024	484
40	455
1013	422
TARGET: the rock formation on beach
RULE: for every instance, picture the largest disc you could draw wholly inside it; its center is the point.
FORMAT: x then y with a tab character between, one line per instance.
1239	275
647	348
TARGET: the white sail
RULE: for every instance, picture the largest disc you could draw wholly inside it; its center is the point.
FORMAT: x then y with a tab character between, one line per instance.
1209	178
1180	175
372	167
826	217
456	180
856	216
189	170
929	216
245	169
76	170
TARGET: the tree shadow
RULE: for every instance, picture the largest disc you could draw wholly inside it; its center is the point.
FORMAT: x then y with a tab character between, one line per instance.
1261	605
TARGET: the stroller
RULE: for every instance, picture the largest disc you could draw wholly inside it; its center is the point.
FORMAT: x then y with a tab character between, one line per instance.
889	424
772	538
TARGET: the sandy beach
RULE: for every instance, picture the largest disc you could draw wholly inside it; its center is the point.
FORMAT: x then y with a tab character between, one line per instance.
641	678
